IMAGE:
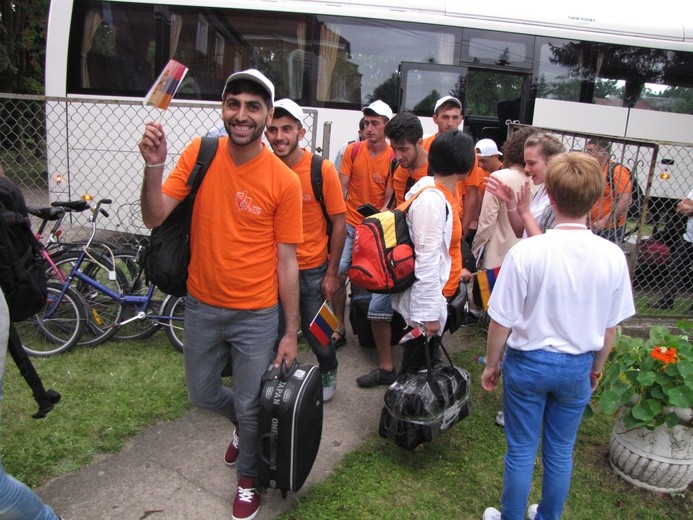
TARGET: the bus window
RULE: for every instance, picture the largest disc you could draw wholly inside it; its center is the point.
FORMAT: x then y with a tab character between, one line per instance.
557	76
423	85
365	65
497	48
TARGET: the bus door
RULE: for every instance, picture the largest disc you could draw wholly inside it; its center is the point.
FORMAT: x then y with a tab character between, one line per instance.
491	97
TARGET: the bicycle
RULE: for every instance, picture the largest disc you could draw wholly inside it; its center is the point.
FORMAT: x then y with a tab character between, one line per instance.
170	314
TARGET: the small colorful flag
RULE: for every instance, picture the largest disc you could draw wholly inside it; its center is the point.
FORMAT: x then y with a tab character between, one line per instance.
324	324
166	85
412	334
486	279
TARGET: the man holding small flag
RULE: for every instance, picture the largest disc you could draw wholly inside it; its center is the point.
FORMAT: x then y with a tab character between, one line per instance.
246	222
317	270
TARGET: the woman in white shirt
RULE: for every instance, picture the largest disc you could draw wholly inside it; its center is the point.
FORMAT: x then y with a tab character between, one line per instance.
435	230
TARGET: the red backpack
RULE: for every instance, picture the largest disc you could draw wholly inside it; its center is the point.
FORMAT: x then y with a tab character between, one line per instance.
382	259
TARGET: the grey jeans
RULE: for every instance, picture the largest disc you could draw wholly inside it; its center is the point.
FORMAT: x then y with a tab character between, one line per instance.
212	334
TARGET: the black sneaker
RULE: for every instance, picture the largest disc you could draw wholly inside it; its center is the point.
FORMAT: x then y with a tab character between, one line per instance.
377	377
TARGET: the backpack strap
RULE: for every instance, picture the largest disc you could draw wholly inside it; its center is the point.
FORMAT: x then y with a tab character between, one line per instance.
208	148
355	150
316	183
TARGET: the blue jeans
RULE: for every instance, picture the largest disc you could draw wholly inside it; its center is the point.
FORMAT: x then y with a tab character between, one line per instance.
345	260
18	502
311	299
542	392
212	334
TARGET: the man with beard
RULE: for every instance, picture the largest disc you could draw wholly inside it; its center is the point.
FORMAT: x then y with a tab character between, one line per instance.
245	226
317	274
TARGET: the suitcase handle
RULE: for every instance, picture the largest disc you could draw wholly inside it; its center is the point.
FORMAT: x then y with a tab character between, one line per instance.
267	448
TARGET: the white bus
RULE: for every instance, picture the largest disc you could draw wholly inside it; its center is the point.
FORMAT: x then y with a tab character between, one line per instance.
580	66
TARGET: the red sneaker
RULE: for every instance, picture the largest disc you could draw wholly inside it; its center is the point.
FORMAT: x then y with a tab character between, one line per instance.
232	451
247	501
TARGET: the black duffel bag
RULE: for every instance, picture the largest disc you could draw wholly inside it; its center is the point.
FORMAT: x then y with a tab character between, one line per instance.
418	406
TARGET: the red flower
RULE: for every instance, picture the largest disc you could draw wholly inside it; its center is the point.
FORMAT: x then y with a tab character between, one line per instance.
664	354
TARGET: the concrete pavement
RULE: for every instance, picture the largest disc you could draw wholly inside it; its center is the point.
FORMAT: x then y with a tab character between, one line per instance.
175	470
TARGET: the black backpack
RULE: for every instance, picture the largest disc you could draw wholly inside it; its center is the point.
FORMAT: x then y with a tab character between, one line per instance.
22	272
168	253
316	184
636	204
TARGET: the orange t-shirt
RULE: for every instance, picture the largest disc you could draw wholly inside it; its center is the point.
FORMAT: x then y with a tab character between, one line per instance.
400	179
455	252
367	179
622	186
240	214
313	251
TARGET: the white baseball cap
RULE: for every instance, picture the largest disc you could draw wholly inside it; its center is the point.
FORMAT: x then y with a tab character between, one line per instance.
251	75
487	148
291	107
380	108
444	99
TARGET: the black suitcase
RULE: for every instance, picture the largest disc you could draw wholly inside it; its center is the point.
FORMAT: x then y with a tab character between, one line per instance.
289	426
418	406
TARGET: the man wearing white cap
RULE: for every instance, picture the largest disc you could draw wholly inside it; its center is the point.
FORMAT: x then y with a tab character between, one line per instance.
245	226
317	275
447	114
490	158
364	176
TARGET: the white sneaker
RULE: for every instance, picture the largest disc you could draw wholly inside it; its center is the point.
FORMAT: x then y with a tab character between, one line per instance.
491	513
500	419
329	384
532	511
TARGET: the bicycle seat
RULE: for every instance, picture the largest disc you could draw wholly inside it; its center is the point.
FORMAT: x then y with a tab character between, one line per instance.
46	213
72	205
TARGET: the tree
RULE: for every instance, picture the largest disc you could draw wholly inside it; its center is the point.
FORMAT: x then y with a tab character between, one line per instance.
23	45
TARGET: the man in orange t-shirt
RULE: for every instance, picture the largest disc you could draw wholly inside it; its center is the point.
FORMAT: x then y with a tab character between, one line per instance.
608	216
447	114
405	134
363	174
318	272
245	226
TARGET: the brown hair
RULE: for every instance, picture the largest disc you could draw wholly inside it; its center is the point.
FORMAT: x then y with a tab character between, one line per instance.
548	144
513	149
574	182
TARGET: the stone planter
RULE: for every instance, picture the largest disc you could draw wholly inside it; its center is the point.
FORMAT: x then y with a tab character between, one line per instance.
657	460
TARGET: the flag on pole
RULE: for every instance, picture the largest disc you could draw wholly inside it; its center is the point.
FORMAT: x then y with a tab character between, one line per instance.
166	85
486	279
324	324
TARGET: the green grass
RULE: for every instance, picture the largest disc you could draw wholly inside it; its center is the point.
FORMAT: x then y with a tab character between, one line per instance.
110	393
461	473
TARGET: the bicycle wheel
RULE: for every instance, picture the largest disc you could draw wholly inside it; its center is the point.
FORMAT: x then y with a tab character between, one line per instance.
174	312
42	336
126	261
102	310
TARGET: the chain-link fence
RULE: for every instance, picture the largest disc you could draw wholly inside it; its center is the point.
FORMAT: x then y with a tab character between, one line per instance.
61	149
655	177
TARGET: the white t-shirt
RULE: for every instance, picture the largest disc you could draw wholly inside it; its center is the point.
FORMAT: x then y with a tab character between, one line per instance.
559	291
430	228
540	208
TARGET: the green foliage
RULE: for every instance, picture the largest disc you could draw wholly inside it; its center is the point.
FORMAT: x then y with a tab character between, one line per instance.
652	378
23	45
